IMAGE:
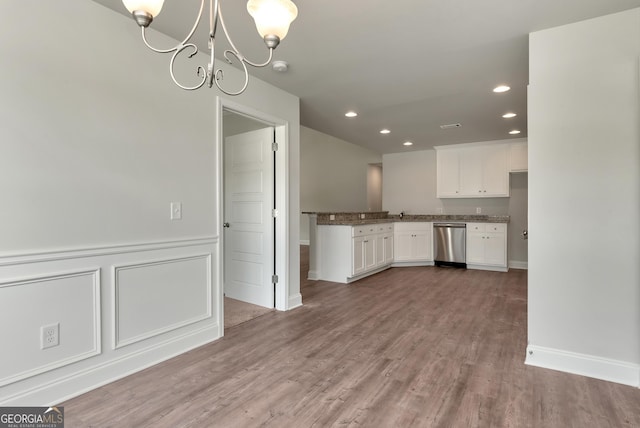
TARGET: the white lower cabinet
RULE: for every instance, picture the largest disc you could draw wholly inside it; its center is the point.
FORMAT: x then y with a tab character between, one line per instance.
413	243
487	246
348	253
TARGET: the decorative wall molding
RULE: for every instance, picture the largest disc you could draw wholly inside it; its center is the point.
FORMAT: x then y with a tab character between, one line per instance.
584	365
93	277
77	253
78	382
118	340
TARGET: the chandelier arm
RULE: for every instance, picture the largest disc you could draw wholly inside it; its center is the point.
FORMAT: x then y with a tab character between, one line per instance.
219	74
201	71
236	51
186	39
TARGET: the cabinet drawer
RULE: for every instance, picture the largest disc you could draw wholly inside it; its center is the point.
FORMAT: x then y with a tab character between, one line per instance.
384	228
476	227
365	229
496	227
487	227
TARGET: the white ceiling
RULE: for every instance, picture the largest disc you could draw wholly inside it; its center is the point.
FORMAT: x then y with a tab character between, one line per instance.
406	65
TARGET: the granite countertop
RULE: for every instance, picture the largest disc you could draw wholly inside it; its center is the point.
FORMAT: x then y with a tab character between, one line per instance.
353	219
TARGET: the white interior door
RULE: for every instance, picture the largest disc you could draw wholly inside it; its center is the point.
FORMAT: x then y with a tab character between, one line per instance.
249	251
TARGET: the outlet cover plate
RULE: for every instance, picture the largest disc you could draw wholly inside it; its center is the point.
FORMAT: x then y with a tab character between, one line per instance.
49	335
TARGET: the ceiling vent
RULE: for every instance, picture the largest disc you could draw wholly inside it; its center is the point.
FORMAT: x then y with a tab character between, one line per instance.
451	126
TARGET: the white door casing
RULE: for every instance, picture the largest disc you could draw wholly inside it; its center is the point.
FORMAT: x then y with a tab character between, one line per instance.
248	217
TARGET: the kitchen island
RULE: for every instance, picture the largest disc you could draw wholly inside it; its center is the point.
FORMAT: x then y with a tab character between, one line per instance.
347	246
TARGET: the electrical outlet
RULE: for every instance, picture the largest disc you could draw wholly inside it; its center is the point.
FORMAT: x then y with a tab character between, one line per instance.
478	210
362	216
176	210
440	210
332	217
49	336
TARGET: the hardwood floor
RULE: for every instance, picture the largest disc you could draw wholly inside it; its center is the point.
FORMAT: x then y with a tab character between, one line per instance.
409	347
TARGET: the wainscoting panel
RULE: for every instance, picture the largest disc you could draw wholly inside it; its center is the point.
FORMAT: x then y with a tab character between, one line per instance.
121	308
69	299
155	297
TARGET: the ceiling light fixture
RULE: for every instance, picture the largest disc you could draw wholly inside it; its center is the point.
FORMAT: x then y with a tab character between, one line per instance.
501	88
514	132
407	143
384	131
351	114
272	18
509	115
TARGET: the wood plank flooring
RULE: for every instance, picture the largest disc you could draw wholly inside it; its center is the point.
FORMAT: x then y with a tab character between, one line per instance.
409	347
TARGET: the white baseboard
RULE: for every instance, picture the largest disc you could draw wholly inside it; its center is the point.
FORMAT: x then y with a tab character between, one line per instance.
67	387
516	264
305	242
584	365
295	301
313	275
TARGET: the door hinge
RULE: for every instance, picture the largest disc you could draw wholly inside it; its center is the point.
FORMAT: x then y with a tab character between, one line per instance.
274	213
274	279
274	147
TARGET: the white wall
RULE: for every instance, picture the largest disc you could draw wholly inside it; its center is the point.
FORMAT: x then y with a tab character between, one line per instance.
333	175
409	185
96	143
584	198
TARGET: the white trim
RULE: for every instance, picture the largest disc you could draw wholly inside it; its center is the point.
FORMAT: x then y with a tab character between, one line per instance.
295	301
97	341
313	275
412	264
487	267
584	365
282	195
116	342
516	264
305	242
77	383
76	253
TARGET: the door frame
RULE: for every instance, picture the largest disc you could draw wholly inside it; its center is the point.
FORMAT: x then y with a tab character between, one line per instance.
281	176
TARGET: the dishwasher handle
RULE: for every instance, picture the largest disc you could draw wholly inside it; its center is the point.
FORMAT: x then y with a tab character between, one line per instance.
457	225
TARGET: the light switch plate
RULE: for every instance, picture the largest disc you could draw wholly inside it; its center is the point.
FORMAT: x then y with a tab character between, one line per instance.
176	210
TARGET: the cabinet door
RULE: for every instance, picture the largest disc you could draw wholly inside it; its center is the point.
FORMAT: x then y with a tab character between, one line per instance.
379	249
369	248
422	246
388	248
495	251
403	245
471	172
358	255
475	247
518	157
495	173
448	177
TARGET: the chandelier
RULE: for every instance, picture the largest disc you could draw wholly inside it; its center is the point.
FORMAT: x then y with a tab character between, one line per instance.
272	18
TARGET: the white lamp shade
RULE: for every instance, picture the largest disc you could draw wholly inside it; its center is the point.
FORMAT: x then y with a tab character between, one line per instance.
272	17
152	7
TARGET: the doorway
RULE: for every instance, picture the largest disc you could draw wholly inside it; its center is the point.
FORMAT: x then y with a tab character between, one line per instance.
251	226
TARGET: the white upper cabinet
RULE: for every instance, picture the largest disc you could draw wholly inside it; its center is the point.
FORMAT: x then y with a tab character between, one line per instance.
473	171
518	157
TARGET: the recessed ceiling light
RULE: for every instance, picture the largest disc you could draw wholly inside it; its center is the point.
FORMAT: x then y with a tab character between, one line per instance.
514	132
407	143
351	114
501	88
384	131
509	115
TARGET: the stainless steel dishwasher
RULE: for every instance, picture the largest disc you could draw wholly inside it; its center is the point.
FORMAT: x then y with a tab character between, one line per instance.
450	244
